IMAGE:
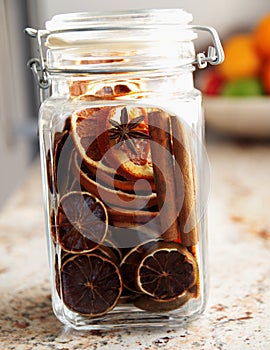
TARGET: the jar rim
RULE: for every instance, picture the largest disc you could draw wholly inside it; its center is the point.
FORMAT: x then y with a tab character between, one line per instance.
116	19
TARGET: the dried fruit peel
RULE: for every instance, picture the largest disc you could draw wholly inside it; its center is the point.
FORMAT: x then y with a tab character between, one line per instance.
166	271
83	279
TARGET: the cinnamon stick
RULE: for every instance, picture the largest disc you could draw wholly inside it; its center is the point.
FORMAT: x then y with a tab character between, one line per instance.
163	167
182	152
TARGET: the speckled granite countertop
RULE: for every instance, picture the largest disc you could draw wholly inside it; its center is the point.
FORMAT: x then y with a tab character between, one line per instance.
238	313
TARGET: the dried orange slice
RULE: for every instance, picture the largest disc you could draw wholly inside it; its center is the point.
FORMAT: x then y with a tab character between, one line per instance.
108	195
109	242
91	284
82	222
84	131
85	125
166	271
60	176
107	252
145	302
135	217
123	139
85	89
104	175
52	160
49	171
92	131
53	225
64	256
58	160
130	264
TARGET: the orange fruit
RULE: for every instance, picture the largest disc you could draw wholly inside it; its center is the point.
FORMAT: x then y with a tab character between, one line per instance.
266	76
241	58
261	36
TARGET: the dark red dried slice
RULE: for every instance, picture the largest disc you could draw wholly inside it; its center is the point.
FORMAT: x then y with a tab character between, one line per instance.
130	264
91	284
145	302
166	271
82	222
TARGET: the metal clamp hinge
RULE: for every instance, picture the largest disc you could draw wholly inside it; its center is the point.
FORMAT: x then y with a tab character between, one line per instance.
41	76
215	54
38	65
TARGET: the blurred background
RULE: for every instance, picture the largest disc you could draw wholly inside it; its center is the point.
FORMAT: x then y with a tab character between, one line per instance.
18	95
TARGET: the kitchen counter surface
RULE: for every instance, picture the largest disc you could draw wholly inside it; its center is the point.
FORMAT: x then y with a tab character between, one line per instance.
238	313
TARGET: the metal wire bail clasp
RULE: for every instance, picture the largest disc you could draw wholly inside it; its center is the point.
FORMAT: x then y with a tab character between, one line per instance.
215	54
37	65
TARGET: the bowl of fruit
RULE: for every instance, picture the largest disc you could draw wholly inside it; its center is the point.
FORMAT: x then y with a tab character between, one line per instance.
237	93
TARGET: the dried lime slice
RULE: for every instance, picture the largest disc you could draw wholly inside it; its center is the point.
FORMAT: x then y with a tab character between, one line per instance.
91	284
166	271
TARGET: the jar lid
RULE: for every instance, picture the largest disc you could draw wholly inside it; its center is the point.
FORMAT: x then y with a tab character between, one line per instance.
119	19
125	41
140	25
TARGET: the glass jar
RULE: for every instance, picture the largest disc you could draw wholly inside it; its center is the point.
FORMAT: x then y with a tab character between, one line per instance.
123	164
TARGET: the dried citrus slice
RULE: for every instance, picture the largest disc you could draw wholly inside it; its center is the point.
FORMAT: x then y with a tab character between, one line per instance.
64	256
83	126
90	130
49	171
109	242
145	302
123	139
135	217
62	174
118	182
107	252
82	222
130	264
166	271
91	284
112	197
87	90
53	158
127	297
53	225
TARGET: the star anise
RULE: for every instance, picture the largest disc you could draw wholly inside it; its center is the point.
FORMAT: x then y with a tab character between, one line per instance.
124	131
